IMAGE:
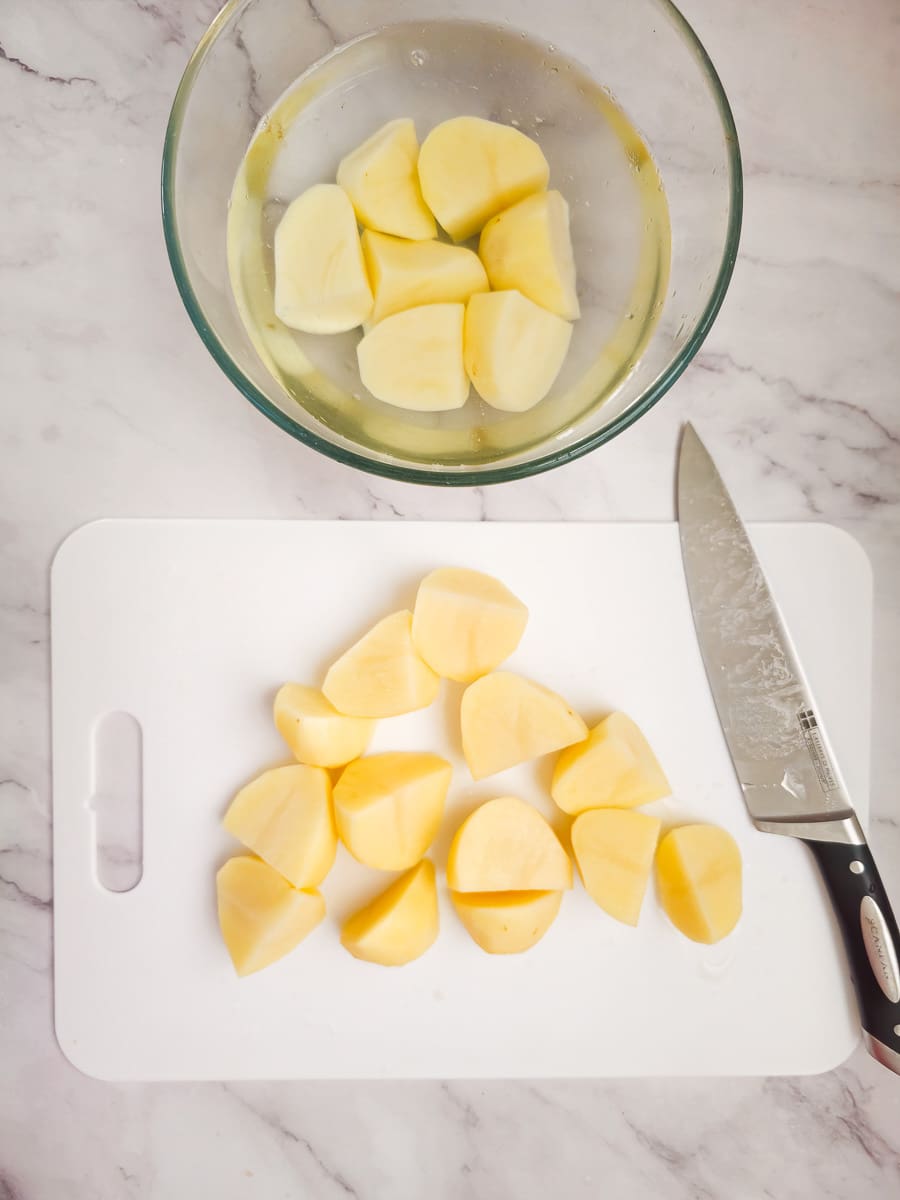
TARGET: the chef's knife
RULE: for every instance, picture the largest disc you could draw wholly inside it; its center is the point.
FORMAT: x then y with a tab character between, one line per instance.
791	782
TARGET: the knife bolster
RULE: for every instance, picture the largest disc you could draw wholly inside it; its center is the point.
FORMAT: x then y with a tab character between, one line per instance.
844	830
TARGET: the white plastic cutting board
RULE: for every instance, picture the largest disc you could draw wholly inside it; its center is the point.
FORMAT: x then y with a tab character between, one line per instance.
191	625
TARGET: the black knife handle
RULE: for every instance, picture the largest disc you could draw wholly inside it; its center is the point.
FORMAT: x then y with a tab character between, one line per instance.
871	939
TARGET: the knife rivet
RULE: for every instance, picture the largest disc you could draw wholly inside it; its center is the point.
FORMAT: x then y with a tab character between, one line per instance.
897	1030
857	867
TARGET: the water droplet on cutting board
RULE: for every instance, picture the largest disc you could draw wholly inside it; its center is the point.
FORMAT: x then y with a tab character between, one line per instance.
716	961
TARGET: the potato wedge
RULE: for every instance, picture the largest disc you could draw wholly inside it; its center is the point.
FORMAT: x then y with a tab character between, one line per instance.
321	284
388	807
414	359
382	675
382	181
614	851
409	274
506	922
316	732
528	248
261	916
507	719
470	169
698	870
400	924
513	349
505	845
614	767
284	816
465	623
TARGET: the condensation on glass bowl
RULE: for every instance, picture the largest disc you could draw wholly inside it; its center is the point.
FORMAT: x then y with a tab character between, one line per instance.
640	58
618	212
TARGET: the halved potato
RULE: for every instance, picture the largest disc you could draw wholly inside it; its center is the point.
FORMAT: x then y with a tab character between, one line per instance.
388	807
470	168
262	917
507	719
414	359
314	729
285	817
506	922
614	851
465	623
409	274
382	181
400	924
382	675
698	869
528	248
321	284
513	349
505	845
613	768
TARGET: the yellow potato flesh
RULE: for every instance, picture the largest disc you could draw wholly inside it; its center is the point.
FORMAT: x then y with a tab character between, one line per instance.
285	817
382	181
614	851
409	274
506	922
513	349
528	248
507	720
613	768
414	359
505	845
316	732
400	924
466	623
698	870
382	675
470	169
321	284
261	916
388	807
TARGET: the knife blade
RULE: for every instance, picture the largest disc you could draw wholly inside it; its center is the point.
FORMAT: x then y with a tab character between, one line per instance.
784	762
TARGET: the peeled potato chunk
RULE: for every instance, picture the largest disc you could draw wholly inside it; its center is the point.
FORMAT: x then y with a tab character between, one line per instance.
506	922
614	768
400	924
262	917
382	181
314	729
505	845
614	851
466	623
528	248
388	807
409	274
382	675
320	277
285	817
470	168
414	359
507	720
513	349
698	869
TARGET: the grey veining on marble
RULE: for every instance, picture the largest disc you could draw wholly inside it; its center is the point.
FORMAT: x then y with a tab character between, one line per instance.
109	405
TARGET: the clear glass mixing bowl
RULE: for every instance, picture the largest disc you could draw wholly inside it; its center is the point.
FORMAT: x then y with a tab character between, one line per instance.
599	83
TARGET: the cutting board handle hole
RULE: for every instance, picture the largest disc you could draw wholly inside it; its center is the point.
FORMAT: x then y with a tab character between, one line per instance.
116	801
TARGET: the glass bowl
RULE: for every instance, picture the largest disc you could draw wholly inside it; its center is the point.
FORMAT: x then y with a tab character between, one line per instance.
640	138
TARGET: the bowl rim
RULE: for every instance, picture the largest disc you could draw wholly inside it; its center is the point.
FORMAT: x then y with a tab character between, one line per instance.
449	476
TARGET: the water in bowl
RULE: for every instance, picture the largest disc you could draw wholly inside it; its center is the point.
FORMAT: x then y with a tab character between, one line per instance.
598	160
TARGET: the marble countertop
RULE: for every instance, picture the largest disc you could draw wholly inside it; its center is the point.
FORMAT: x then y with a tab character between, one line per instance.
111	406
